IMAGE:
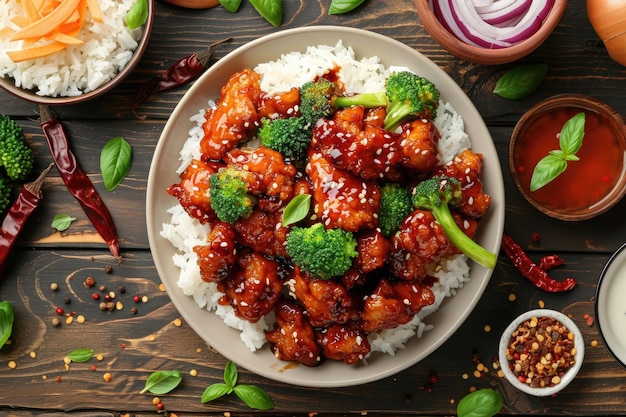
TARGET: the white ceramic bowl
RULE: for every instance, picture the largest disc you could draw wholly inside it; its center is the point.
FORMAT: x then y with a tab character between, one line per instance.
453	311
571	373
610	306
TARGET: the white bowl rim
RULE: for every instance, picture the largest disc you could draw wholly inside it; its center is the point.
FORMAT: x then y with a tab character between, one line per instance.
569	375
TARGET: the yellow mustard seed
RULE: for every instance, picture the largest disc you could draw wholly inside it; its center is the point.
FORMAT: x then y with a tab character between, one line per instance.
107	377
594	343
487	328
193	372
32	354
80	318
512	297
99	357
156	400
178	322
12	364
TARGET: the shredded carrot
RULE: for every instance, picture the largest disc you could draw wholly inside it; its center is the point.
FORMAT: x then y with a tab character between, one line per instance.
35	52
31	10
66	39
94	9
47	23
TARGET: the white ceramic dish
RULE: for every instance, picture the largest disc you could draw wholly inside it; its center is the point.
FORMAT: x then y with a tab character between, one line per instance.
610	305
446	320
579	344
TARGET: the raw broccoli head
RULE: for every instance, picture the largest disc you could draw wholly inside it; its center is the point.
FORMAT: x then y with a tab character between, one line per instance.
436	194
6	193
229	195
316	99
15	155
320	252
288	136
395	206
410	96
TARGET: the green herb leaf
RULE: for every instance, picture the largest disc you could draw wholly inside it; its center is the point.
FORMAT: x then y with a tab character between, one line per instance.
62	222
555	163
343	6
137	14
230	374
115	160
480	403
271	10
520	81
231	5
254	397
215	391
297	209
162	382
7	315
80	355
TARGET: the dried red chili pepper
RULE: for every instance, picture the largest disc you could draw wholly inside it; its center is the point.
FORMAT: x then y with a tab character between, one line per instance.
76	181
550	261
15	219
179	73
532	271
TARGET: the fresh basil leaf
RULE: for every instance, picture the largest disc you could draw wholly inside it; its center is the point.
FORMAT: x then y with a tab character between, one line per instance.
230	374
215	391
115	160
254	397
62	222
572	134
7	315
297	209
162	382
270	10
480	403
80	355
137	14
547	169
230	5
520	81
343	6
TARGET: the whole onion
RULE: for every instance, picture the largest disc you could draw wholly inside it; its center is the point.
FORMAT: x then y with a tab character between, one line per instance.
608	18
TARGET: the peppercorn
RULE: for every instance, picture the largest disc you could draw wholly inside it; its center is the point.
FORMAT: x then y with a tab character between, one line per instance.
67	300
133	310
59	311
95	296
136	299
108	269
56	322
54	286
121	289
90	282
102	306
102	288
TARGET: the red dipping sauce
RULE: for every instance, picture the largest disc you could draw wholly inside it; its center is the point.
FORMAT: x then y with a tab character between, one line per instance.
586	184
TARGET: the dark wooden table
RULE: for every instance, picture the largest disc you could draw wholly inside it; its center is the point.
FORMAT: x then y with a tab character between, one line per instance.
134	345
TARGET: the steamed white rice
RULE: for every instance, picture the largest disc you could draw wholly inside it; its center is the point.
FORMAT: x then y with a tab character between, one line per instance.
294	69
106	50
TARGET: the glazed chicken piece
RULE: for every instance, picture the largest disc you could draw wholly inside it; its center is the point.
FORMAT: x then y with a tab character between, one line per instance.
343	343
350	144
254	287
418	146
341	199
263	232
217	257
325	301
392	304
280	105
467	168
293	339
235	116
273	179
373	250
421	240
193	191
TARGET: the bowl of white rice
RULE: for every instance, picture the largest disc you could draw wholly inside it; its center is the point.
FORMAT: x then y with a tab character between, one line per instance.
105	53
284	59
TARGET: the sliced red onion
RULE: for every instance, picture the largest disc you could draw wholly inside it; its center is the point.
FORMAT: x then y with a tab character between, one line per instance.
478	37
495	6
517	9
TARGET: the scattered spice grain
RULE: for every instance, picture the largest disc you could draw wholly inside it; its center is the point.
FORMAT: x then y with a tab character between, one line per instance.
32	354
178	322
56	322
12	364
107	377
193	372
54	286
89	282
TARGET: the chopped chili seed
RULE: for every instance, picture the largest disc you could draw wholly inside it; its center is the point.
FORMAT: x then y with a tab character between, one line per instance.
58	378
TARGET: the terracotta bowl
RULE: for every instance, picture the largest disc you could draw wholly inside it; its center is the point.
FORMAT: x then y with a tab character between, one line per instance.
516	378
481	55
587	187
8	83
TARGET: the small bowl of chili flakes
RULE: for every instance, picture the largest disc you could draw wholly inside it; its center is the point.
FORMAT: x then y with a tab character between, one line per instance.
541	352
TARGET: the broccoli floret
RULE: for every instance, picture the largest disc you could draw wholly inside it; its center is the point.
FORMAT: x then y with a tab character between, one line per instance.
229	195
15	155
288	136
6	193
323	253
436	194
395	206
316	99
409	95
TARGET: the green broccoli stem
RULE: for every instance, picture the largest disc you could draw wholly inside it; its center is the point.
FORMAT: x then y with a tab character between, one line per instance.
462	241
367	100
396	112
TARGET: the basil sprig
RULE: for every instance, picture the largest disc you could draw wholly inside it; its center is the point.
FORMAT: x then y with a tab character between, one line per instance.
80	355
253	396
162	382
343	6
62	222
520	81
297	209
7	316
480	403
555	163
137	14
115	160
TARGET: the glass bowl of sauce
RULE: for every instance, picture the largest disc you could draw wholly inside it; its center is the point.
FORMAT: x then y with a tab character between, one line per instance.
587	187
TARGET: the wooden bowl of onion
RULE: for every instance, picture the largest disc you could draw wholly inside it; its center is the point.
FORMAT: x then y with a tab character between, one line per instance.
490	32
